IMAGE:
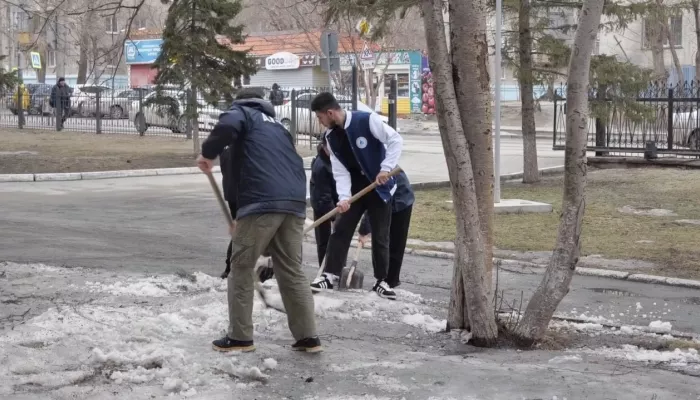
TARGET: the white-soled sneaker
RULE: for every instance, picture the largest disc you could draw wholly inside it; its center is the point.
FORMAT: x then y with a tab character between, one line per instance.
322	283
383	290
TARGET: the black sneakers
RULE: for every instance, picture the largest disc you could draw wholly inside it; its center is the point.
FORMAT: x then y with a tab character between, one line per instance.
309	345
383	290
225	344
321	284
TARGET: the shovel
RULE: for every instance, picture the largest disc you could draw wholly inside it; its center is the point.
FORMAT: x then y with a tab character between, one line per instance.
258	286
349	278
332	213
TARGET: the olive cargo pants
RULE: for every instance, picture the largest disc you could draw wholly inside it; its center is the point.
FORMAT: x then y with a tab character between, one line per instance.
282	235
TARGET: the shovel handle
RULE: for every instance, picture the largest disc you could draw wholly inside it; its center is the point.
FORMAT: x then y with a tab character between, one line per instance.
219	197
353	199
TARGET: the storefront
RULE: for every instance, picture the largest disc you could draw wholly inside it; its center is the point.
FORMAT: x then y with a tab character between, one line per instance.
140	55
288	70
406	67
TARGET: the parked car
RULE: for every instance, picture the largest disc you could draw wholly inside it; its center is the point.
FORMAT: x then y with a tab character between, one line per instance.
306	121
157	115
81	94
115	104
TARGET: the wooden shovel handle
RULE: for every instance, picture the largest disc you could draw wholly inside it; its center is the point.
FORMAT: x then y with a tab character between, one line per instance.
353	199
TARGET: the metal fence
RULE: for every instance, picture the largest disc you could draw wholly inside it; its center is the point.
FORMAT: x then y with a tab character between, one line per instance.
126	111
662	116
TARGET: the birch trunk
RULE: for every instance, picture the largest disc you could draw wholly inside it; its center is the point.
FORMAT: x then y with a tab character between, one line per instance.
555	284
531	173
472	298
470	66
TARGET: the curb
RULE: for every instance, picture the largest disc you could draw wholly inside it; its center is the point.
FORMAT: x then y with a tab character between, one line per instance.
79	176
525	267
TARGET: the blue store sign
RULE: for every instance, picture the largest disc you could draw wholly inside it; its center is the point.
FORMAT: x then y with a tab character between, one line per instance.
142	51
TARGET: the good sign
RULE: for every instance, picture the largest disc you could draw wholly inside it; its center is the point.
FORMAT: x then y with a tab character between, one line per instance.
283	60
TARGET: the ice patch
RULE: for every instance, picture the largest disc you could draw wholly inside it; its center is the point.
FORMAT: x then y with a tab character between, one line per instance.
676	357
565	359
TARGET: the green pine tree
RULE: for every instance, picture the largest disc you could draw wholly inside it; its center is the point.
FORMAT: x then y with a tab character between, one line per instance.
8	79
196	58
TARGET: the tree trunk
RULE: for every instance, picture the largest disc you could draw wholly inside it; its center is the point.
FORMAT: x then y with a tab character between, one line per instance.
84	49
193	112
555	284
469	244
696	15
531	173
671	43
656	45
470	66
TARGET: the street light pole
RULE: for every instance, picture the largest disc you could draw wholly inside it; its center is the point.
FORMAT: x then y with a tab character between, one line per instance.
497	113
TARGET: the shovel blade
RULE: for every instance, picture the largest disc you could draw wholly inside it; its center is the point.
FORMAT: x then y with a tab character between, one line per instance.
356	281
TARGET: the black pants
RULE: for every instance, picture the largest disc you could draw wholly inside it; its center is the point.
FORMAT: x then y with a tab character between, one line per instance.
398	235
322	233
379	214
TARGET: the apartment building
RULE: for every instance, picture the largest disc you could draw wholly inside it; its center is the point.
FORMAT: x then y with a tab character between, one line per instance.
74	41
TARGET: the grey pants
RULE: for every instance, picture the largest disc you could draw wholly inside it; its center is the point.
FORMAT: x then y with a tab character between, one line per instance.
282	236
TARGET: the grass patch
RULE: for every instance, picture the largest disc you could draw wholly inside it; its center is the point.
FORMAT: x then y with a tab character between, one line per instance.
606	231
50	151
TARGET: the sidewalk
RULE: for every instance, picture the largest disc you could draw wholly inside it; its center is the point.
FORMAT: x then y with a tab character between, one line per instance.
90	333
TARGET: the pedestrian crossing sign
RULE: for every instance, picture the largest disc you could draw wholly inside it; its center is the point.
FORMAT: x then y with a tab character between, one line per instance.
36	60
367	54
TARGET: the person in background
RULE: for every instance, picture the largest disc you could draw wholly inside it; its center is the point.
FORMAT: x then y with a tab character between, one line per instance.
402	207
363	150
276	95
60	100
323	196
271	199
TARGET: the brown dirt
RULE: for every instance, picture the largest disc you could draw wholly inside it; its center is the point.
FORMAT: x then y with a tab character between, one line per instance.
48	151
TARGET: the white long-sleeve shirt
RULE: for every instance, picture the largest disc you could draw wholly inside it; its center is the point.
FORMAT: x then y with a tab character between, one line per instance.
385	134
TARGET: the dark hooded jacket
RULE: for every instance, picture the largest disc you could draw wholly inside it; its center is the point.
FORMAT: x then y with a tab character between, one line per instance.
322	185
266	170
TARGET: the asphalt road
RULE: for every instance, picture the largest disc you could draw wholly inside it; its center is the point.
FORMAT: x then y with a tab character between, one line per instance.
164	224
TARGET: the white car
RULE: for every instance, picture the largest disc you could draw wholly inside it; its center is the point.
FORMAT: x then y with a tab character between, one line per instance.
306	121
150	116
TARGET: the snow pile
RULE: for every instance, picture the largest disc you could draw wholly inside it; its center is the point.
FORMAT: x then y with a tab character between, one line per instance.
660	327
426	322
565	359
160	286
270	363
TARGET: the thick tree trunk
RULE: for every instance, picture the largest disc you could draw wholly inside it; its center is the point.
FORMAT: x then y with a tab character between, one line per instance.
696	15
666	32
469	244
531	173
555	284
84	49
470	74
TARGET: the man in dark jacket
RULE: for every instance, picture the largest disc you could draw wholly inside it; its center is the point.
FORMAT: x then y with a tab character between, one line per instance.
263	266
271	200
276	95
60	100
363	149
402	206
323	196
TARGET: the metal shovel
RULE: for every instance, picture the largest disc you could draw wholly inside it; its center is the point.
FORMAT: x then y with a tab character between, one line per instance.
350	278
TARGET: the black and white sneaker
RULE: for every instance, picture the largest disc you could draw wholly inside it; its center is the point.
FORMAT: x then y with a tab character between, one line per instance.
383	290
322	283
225	345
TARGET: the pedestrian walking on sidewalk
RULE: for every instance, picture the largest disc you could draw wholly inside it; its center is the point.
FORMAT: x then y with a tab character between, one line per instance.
271	198
363	149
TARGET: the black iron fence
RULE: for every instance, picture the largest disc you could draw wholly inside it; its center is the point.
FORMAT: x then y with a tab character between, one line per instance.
662	116
127	111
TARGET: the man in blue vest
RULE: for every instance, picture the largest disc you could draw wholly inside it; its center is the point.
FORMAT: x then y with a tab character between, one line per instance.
363	150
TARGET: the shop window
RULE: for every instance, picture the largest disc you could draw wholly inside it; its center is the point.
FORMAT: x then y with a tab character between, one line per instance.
402	84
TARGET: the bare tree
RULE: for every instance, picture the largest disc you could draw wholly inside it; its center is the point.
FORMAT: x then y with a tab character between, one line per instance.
663	21
695	6
469	303
531	173
557	278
